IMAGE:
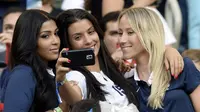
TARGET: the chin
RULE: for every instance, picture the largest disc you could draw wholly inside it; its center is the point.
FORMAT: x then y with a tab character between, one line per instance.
54	58
127	56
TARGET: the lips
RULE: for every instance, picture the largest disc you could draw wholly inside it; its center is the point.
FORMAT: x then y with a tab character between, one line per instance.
54	50
123	47
92	47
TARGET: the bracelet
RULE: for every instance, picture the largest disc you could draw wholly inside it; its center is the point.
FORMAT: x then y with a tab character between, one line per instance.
58	109
62	82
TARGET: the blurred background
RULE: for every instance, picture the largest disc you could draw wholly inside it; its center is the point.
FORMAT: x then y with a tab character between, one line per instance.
182	17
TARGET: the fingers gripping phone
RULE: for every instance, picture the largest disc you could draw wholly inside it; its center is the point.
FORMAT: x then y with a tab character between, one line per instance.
82	57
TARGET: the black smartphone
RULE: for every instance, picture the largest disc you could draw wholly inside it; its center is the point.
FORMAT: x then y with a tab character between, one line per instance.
81	57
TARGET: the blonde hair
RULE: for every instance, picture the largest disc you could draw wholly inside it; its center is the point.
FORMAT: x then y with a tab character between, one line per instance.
149	29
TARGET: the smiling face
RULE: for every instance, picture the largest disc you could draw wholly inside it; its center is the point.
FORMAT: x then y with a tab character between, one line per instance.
48	41
129	40
82	35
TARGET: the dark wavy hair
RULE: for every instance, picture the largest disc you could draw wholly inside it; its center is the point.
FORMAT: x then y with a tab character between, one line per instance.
24	51
107	65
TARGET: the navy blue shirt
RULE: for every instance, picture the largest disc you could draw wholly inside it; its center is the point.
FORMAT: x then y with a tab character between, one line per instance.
22	83
177	96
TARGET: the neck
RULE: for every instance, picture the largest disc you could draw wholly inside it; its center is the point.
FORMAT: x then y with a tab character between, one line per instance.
143	68
47	8
95	67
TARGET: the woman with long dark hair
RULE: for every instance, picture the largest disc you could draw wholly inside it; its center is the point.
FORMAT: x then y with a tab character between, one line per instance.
102	81
34	50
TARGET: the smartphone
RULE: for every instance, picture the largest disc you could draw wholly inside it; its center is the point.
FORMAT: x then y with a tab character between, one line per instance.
81	57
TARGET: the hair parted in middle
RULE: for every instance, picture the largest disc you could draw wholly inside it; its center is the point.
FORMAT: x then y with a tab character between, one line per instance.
148	26
24	51
107	65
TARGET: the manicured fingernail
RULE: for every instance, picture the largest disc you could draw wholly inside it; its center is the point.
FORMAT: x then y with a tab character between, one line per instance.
67	49
69	61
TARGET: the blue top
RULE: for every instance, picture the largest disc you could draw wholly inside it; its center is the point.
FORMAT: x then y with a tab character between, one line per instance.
22	83
177	96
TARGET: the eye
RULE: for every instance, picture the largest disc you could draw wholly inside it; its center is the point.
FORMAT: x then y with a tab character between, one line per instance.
9	27
114	33
56	33
130	32
120	33
77	38
44	36
91	32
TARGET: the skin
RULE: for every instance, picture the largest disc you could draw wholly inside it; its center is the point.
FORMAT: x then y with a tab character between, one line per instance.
81	35
48	41
111	5
8	27
132	48
111	36
142	3
111	40
130	40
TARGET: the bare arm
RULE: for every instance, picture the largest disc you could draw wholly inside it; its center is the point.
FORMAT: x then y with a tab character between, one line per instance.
111	5
143	3
195	97
173	61
69	92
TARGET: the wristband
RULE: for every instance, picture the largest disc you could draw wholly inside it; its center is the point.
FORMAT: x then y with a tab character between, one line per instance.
62	82
58	109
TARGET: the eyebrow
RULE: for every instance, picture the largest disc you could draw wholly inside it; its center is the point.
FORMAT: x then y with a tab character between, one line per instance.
113	32
80	33
8	25
90	28
47	31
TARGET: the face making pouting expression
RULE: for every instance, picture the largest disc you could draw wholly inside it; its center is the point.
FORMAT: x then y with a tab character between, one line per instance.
48	41
129	40
82	34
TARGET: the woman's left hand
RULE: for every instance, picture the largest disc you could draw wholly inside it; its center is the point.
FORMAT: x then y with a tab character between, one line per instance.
173	61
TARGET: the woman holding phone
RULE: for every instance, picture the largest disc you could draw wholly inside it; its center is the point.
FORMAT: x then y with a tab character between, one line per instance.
101	81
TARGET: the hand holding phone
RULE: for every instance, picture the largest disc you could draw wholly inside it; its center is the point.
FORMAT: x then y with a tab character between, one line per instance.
81	57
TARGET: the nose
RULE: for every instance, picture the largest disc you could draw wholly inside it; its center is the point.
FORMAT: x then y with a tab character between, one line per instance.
55	40
123	38
88	40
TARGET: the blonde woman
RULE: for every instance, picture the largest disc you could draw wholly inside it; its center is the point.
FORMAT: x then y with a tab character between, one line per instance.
142	38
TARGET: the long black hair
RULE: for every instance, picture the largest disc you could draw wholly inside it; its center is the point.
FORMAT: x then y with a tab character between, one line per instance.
107	65
24	51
